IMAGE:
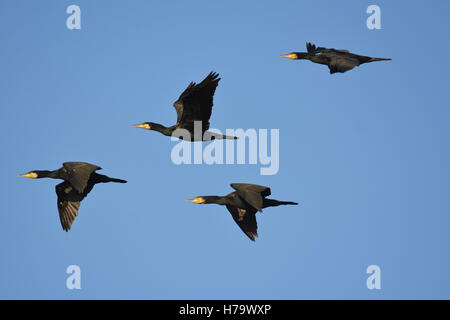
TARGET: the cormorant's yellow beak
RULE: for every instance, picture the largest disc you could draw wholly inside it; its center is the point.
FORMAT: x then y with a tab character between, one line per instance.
31	175
142	126
290	56
198	200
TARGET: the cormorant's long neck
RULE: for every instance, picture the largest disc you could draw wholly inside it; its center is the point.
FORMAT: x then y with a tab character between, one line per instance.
215	199
167	131
48	174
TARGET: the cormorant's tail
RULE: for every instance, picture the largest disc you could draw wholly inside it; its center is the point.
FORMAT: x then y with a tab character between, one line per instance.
217	136
227	137
117	180
379	59
104	179
276	203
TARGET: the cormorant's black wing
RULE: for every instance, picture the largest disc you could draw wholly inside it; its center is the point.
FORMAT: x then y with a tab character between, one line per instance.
342	63
246	220
252	193
196	102
69	200
79	174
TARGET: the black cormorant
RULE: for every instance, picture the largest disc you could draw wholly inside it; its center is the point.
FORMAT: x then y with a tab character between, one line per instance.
79	179
336	60
194	105
243	204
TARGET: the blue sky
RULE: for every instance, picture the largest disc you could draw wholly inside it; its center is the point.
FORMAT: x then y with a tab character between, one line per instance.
365	153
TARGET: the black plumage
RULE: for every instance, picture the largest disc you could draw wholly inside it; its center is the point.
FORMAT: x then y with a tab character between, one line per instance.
243	205
79	179
194	105
336	60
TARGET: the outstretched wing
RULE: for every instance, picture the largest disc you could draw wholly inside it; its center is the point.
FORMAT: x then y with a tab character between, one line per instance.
79	174
342	64
246	220
196	102
253	194
69	200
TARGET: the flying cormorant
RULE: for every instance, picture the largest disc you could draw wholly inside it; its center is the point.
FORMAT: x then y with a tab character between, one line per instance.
79	179
193	106
243	205
336	60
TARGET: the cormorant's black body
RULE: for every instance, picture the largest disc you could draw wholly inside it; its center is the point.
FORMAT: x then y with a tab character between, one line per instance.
243	205
79	179
194	105
336	60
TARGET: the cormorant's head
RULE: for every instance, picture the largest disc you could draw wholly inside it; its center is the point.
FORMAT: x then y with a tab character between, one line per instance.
31	174
295	55
199	200
144	125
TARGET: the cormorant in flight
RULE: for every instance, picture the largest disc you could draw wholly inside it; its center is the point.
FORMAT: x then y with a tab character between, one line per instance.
79	179
243	205
194	105
336	60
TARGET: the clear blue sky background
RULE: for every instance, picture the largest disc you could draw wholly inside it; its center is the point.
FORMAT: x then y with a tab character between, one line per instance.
366	153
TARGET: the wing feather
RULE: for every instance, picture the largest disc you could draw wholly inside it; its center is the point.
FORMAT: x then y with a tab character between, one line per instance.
79	174
342	64
196	102
253	194
246	220
69	200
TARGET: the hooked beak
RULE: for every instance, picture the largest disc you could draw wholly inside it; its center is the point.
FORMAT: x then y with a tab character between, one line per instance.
198	200
289	56
142	126
31	175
